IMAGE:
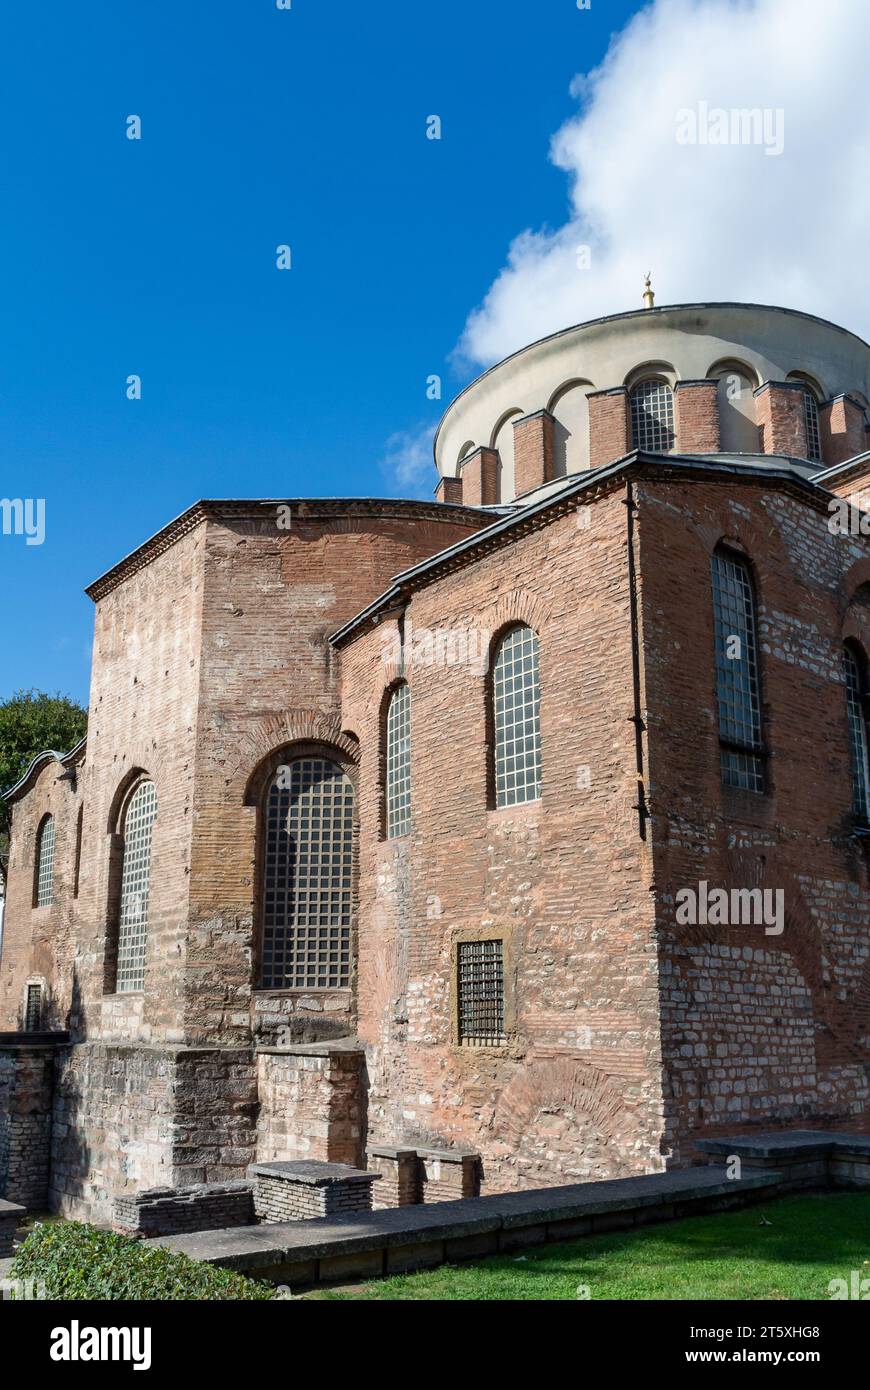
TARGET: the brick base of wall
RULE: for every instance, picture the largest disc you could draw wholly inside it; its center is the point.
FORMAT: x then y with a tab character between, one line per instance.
304	1191
411	1176
164	1211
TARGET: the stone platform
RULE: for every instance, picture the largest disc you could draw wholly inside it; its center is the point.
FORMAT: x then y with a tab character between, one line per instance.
368	1244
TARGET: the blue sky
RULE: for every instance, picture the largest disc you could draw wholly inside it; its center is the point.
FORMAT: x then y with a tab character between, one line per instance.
157	257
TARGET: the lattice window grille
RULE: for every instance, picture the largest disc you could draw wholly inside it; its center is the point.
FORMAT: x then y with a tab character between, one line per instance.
737	681
135	889
652	417
480	988
33	1009
398	771
45	871
517	718
308	873
857	737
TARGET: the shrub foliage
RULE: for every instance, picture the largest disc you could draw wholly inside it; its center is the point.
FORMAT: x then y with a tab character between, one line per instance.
76	1261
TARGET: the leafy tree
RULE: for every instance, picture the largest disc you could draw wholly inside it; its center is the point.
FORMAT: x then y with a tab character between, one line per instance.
30	723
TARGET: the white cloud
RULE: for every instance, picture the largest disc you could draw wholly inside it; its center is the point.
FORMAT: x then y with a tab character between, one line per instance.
724	221
408	462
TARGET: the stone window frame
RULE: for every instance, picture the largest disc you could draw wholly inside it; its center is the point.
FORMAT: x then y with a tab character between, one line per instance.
124	794
45	820
507	935
255	795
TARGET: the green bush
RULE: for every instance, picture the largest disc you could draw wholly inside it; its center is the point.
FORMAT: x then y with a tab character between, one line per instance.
80	1262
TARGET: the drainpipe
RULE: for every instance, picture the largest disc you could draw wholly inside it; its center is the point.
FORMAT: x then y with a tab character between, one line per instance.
636	717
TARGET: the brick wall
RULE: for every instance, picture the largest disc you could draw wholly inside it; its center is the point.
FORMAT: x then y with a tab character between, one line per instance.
609	426
781	414
756	1028
533	451
696	412
575	1093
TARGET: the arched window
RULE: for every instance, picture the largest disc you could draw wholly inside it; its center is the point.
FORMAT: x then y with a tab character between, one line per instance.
516	717
811	416
398	762
137	831
45	838
652	416
307	902
738	684
856	704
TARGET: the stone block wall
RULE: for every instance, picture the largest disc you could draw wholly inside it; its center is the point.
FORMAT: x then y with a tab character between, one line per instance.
26	1085
312	1104
128	1118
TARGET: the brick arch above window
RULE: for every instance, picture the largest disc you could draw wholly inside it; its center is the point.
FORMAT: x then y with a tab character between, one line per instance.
518	606
274	733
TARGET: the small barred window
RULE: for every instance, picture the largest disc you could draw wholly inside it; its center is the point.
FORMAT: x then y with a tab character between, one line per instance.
398	770
738	686
857	735
45	863
135	888
516	695
652	416
33	1009
480	992
308	877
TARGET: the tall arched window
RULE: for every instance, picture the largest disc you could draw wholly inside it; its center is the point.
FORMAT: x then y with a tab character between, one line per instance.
738	684
652	416
45	837
811	416
516	717
856	705
398	762
307	905
137	832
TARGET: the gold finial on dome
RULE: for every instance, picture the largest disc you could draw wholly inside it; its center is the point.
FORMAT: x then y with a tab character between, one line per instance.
649	298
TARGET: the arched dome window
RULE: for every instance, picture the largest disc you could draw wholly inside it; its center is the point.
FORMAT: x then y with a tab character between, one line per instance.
652	416
811	415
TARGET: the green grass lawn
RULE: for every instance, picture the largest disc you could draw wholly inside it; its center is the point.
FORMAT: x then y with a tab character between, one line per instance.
785	1249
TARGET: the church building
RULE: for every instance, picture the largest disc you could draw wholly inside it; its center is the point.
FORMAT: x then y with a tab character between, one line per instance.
527	826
